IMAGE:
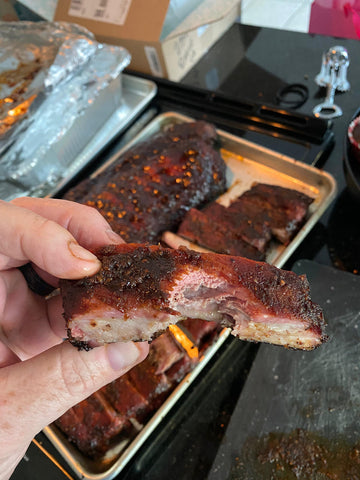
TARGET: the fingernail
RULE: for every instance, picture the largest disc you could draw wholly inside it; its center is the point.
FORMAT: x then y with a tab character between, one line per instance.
114	237
81	253
122	355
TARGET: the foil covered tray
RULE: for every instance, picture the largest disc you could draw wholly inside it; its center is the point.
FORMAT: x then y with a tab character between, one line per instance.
137	93
58	89
247	162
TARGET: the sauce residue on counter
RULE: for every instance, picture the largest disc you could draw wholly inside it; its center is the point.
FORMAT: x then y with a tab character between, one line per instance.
298	455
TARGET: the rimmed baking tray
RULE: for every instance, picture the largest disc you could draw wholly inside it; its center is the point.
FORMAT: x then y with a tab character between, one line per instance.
247	162
136	94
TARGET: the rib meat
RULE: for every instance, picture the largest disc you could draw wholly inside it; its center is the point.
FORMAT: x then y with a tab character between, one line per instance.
119	408
169	173
92	424
220	236
198	330
124	397
141	290
283	209
249	223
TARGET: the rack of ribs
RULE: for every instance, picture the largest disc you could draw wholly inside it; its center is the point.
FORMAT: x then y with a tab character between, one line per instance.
249	223
284	209
91	424
142	289
120	408
169	172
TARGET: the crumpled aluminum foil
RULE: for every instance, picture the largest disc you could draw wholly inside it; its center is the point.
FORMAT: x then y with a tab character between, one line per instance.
57	87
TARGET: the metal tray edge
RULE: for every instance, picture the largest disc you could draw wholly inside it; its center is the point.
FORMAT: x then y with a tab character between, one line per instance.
325	176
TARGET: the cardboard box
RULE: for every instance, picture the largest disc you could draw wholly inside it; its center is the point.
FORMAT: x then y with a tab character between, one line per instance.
8	12
165	41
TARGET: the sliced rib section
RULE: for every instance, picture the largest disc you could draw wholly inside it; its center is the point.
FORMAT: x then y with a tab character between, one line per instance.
141	290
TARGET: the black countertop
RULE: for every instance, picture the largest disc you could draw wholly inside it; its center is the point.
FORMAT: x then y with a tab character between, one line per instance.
249	64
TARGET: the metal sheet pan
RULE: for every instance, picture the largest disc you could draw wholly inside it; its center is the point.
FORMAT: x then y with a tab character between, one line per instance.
246	163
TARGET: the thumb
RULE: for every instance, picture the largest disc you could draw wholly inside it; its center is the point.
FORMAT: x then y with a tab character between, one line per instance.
39	390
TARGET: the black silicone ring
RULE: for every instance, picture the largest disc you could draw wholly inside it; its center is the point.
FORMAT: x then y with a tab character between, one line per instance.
296	89
35	282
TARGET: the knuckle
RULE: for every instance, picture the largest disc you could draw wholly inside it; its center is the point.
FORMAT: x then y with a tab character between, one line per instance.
43	225
45	230
95	216
76	377
90	212
85	216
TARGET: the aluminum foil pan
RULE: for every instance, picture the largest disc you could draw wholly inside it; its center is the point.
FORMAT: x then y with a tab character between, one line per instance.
57	87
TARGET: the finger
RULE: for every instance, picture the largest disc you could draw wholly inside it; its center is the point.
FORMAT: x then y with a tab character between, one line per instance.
28	236
26	326
7	356
85	223
55	314
9	462
56	380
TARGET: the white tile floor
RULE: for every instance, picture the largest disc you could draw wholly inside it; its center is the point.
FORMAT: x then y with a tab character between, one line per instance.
284	14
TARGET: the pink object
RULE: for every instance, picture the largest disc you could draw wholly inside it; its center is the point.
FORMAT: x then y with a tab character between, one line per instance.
354	137
337	18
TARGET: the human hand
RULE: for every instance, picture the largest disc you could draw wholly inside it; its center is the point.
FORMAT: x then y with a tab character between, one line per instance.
41	376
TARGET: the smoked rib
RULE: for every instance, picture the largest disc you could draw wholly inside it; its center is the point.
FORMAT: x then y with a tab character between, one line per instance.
151	186
142	289
247	226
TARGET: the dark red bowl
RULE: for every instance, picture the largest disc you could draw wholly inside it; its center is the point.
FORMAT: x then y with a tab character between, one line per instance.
351	165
